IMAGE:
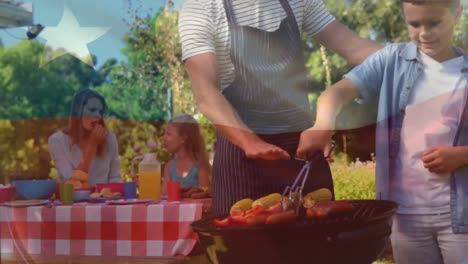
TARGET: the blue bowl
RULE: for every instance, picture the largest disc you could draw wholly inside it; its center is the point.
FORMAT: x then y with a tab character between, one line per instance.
35	189
81	195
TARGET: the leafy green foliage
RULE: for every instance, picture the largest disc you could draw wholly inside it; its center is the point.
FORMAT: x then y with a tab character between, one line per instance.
150	88
32	96
354	180
137	90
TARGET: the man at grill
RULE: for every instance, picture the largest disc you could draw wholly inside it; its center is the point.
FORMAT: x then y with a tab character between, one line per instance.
247	68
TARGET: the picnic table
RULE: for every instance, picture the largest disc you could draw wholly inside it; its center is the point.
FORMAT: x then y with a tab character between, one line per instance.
88	229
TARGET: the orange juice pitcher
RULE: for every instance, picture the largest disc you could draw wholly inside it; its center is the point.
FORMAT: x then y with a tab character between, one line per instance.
149	176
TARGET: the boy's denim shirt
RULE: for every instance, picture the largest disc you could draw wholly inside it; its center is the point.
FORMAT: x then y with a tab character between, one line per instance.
387	78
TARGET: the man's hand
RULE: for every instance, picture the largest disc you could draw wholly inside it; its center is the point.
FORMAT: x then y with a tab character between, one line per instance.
312	141
442	159
98	135
262	150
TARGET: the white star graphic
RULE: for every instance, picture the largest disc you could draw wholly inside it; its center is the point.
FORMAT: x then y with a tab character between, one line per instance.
69	37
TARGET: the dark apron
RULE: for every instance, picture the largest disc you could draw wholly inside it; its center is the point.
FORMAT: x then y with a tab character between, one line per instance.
269	94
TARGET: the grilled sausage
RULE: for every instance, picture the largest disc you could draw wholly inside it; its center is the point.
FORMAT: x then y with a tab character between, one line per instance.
325	209
256	220
281	217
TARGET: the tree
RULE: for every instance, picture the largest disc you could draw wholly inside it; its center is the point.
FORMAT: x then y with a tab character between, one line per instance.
35	102
144	93
137	90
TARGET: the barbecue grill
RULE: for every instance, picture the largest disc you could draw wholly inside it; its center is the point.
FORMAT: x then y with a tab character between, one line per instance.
355	237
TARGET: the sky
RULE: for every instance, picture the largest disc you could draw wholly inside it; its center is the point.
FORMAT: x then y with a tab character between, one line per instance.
86	26
98	25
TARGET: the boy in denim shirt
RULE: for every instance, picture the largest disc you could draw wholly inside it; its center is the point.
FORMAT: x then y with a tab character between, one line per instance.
420	89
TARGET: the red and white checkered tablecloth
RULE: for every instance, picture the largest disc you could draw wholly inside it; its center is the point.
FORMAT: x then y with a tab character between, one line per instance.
100	230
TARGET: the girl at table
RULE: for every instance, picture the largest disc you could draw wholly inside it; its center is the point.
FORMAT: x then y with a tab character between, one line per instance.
86	152
190	165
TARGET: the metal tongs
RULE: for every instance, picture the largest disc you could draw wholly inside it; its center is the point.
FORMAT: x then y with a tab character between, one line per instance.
293	193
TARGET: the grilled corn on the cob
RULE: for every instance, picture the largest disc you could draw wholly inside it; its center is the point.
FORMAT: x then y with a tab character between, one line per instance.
267	201
242	205
314	197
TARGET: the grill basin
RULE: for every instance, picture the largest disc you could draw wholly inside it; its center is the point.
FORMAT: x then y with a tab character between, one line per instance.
357	237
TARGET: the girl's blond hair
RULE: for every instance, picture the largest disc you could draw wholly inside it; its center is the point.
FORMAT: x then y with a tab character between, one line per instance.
188	128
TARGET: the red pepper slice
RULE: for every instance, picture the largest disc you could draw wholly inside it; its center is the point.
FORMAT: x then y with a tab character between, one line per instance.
240	220
222	222
238	213
257	210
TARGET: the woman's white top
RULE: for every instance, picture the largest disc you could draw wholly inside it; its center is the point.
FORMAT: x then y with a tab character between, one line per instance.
67	157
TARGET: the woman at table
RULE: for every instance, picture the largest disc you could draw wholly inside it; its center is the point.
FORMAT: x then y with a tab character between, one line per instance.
86	152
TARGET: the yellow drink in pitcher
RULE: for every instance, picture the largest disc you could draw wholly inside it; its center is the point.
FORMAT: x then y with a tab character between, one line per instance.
149	185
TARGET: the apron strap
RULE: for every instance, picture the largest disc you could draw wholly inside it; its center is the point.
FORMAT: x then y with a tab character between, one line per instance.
230	13
232	18
289	12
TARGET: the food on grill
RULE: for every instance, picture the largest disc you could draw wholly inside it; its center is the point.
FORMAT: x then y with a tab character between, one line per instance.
222	222
272	209
326	209
257	220
317	196
252	217
242	205
268	200
281	217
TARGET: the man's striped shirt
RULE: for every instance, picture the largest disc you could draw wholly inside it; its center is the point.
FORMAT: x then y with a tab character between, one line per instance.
203	25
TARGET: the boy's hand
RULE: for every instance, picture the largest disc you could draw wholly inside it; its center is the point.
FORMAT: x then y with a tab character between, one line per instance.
313	140
442	159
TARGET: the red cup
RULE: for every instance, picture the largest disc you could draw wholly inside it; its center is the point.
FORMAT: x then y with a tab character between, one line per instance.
57	190
173	191
6	194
